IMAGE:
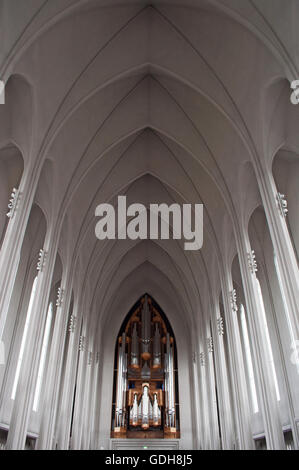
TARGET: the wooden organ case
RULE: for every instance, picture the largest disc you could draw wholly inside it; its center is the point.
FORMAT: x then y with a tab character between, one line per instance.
145	403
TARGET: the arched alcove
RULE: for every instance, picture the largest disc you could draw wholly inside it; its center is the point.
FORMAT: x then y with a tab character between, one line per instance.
145	401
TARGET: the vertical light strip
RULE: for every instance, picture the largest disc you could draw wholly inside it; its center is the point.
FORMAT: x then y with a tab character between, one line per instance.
249	361
43	357
267	337
24	338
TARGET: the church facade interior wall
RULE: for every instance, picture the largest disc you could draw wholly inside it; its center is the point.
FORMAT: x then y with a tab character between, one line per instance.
105	344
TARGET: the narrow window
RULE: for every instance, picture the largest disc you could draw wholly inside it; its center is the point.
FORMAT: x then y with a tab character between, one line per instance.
43	357
249	360
267	337
24	338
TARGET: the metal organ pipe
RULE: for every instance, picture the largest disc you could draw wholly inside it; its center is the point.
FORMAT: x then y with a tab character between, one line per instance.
145	331
125	383
157	348
118	391
150	410
155	411
121	385
135	410
166	385
145	408
170	393
146	325
135	348
172	402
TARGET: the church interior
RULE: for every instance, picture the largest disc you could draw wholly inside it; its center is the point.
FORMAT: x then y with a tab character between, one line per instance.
128	344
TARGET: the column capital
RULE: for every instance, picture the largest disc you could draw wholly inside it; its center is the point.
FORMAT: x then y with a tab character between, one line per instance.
282	204
60	296
13	202
233	300
72	323
41	260
202	359
220	326
252	263
81	343
210	345
90	358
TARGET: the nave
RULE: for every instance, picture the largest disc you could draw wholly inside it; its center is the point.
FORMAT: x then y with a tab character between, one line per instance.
122	344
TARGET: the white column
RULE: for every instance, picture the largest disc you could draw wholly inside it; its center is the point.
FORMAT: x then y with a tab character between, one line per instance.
92	408
197	404
87	401
206	439
241	401
265	380
225	406
282	245
49	402
97	400
63	425
80	385
215	442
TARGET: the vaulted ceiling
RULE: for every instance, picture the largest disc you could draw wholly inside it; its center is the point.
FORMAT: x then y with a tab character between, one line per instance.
162	101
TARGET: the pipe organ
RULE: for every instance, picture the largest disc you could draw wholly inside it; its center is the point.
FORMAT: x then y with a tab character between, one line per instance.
145	382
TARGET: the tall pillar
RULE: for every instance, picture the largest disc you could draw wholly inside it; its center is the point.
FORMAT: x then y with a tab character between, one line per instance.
215	437
206	441
89	405
197	405
49	403
282	244
92	409
87	401
64	417
265	380
225	409
97	397
80	387
241	401
23	403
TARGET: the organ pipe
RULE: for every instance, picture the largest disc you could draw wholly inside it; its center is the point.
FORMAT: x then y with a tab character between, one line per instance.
121	384
134	416
145	408
145	331
157	348
155	411
170	391
135	348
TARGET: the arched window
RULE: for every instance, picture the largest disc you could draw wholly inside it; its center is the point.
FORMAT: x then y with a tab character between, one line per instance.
145	396
24	339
